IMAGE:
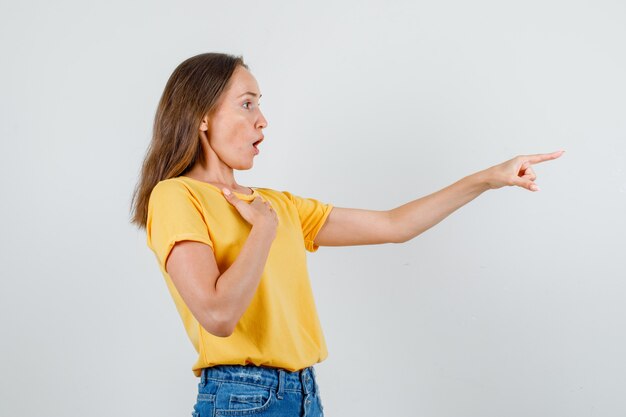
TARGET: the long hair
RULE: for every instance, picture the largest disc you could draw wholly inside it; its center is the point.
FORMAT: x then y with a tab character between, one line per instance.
192	91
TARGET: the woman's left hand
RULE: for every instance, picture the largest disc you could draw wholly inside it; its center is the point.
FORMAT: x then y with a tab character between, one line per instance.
517	171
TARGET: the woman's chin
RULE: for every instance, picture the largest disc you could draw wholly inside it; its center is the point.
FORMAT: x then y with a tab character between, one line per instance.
246	165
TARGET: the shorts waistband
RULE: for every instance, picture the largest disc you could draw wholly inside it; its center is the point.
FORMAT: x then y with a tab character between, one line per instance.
279	379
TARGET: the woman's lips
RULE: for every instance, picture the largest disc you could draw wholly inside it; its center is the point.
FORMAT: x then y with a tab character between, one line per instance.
255	144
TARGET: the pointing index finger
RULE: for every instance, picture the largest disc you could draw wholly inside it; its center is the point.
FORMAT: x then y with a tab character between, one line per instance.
542	157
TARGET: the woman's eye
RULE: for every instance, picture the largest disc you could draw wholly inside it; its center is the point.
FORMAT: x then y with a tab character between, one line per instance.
248	103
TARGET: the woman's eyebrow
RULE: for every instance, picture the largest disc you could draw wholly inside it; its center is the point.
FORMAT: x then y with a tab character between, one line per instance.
251	93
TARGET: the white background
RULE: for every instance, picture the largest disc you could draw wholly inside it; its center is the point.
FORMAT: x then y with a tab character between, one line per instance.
513	305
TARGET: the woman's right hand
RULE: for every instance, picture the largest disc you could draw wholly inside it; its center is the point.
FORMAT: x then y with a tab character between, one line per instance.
258	212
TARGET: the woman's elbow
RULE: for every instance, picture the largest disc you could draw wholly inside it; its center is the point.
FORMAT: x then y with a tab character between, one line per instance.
218	326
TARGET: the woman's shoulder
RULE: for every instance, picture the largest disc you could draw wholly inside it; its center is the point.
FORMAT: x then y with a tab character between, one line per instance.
283	195
171	188
169	185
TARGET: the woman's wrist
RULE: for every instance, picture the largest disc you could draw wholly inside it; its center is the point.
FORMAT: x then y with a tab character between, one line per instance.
482	180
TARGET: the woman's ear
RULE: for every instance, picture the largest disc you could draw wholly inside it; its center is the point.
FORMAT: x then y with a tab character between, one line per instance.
204	126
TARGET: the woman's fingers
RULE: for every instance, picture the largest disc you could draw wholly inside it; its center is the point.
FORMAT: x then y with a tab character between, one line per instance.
517	171
527	176
529	173
525	183
541	157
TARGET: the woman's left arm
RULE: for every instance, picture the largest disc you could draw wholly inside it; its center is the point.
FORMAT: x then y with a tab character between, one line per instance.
361	227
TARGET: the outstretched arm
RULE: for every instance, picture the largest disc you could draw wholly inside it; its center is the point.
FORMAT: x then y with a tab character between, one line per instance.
346	227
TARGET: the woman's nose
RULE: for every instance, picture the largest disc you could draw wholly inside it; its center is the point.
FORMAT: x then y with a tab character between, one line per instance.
261	122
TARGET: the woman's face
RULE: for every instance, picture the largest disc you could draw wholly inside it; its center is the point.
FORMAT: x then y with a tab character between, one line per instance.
237	122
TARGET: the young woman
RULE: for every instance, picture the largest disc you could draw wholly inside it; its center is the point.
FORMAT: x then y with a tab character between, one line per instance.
233	256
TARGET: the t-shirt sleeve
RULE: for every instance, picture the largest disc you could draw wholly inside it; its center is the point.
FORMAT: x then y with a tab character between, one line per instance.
313	214
174	214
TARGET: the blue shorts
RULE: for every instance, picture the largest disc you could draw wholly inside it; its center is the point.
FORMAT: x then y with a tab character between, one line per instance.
238	390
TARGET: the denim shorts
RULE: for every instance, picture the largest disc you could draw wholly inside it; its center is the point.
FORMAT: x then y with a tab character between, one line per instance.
238	390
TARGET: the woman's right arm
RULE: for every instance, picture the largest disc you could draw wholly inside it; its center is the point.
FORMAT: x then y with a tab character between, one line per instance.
217	300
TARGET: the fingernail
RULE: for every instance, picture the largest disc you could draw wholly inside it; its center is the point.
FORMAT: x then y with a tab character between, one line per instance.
226	191
534	187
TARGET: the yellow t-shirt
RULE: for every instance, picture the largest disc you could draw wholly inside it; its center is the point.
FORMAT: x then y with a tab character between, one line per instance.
281	327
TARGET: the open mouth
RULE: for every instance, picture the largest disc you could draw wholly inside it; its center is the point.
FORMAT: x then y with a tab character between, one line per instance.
255	144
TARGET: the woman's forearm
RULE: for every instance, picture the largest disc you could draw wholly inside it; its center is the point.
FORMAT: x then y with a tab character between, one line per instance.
417	216
235	288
